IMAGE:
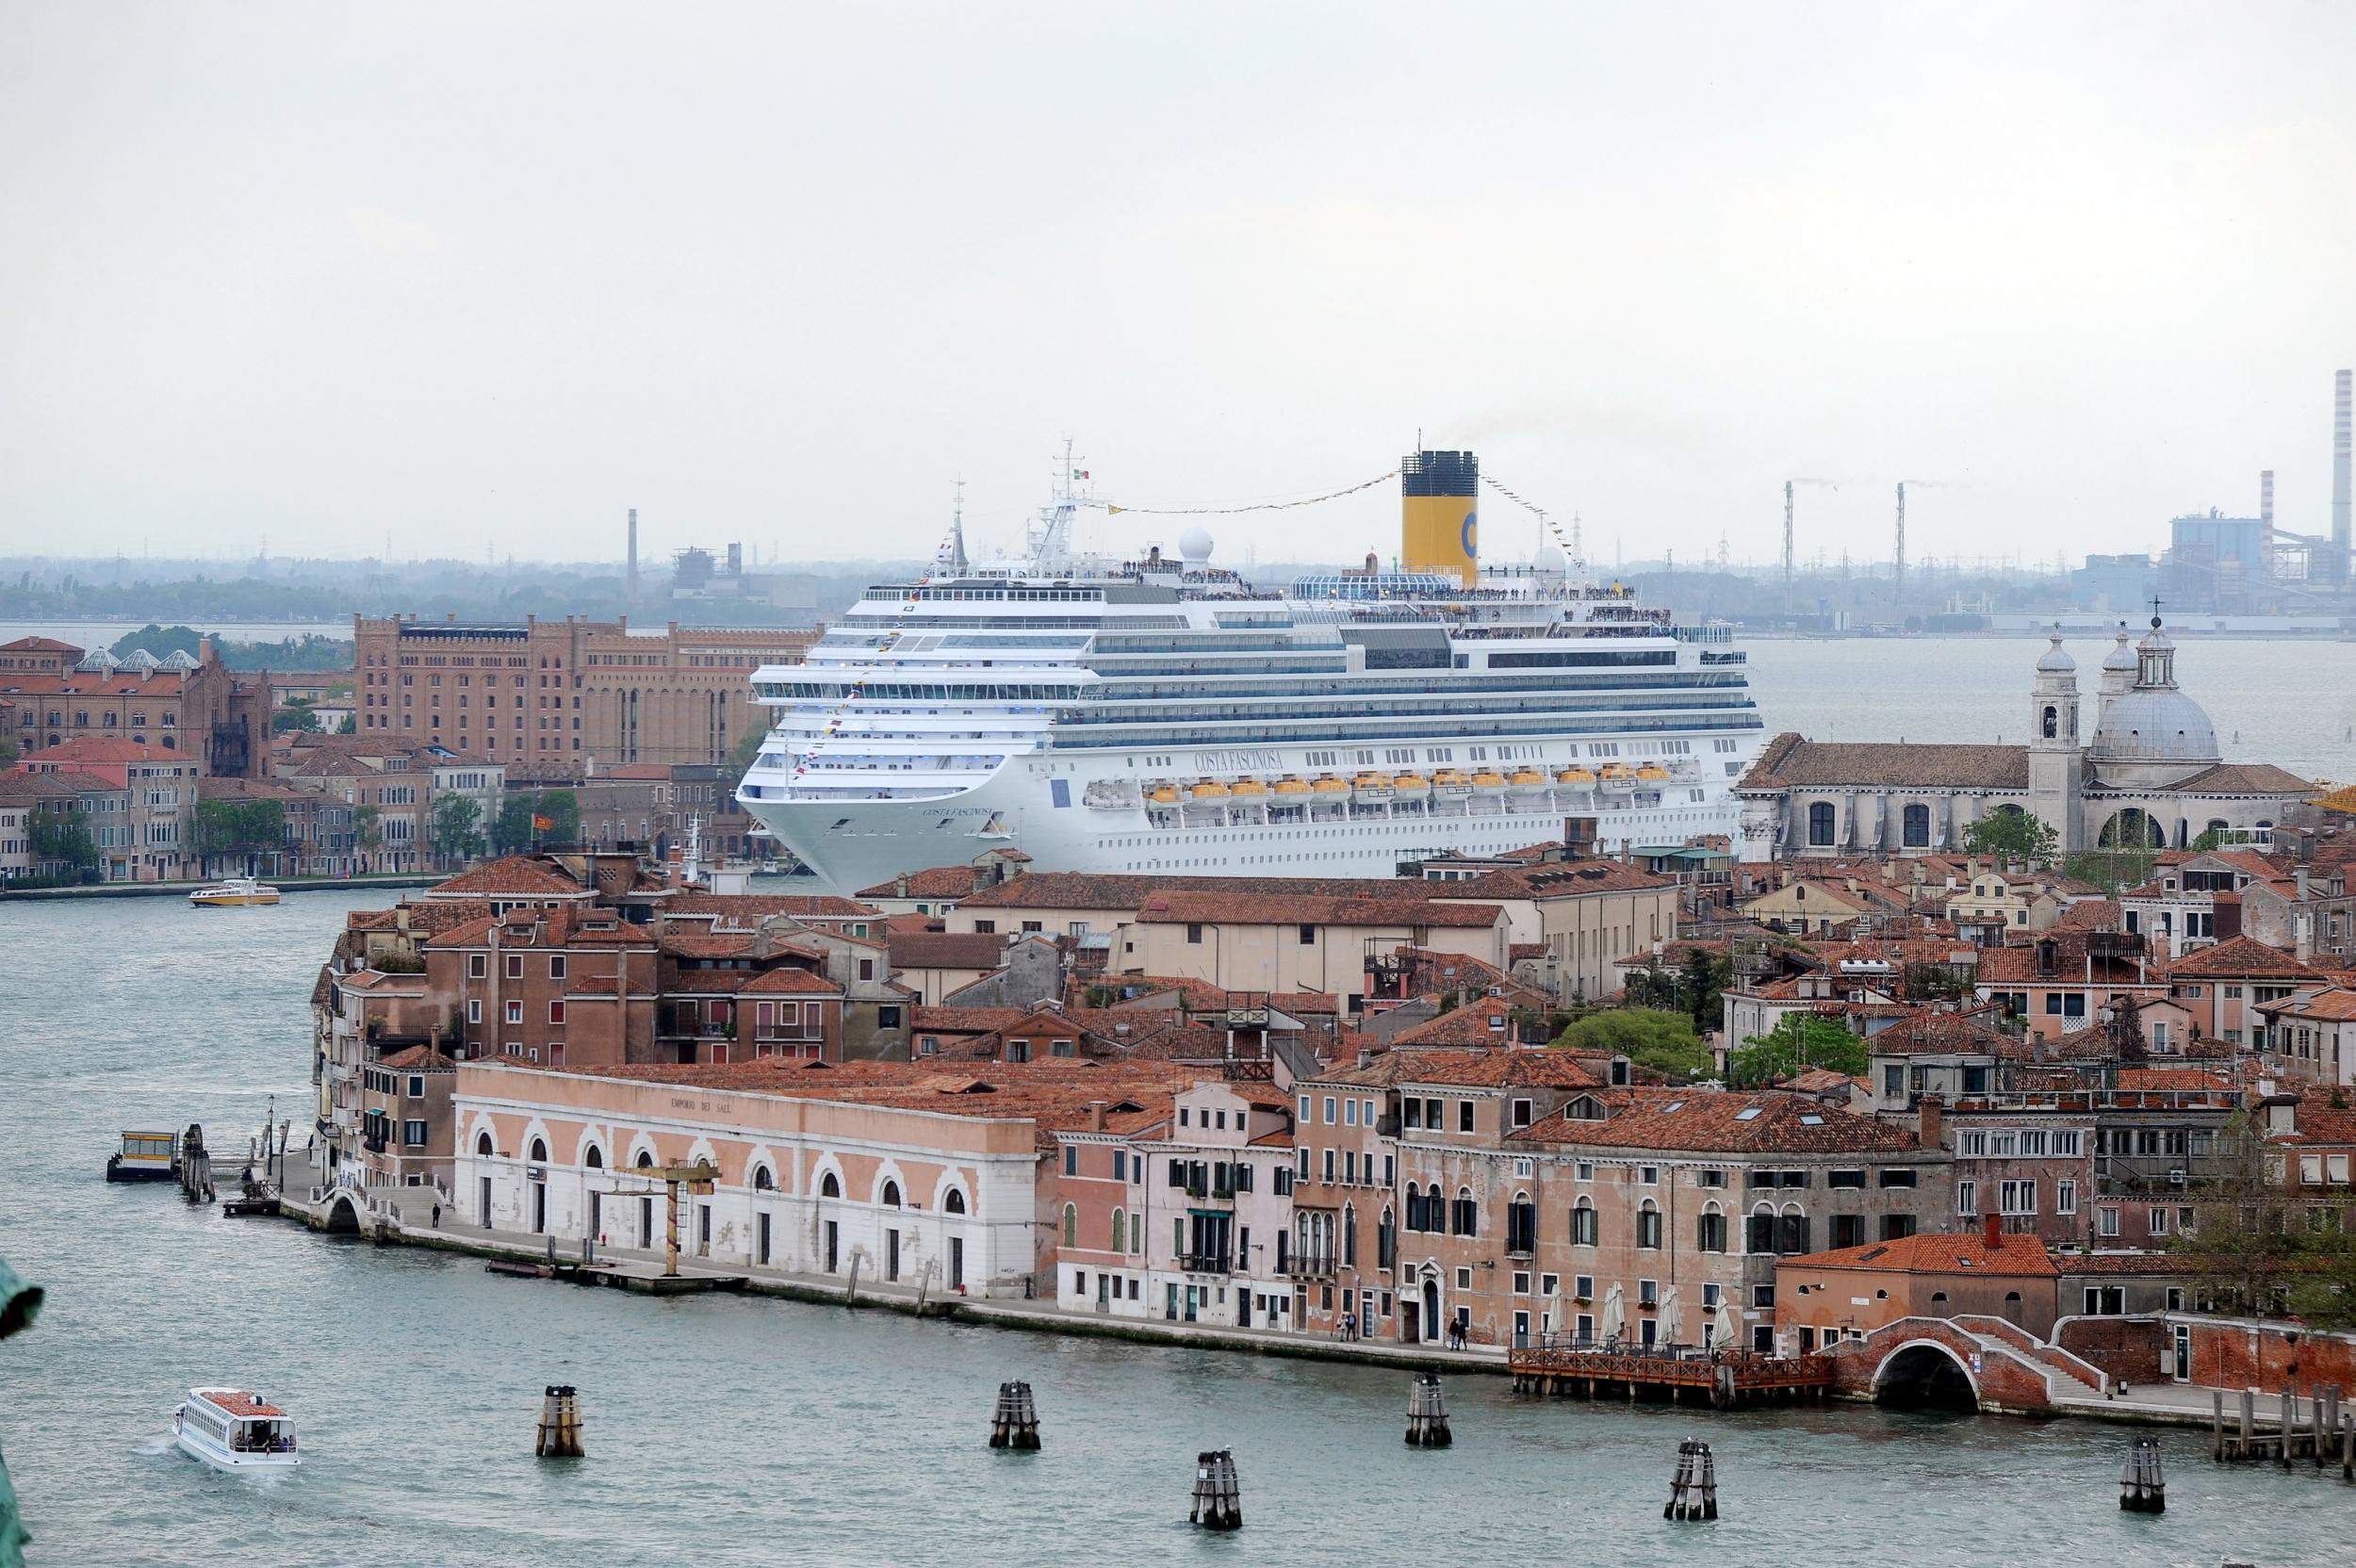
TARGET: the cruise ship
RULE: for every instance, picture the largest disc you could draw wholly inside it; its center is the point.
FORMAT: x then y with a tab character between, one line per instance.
1164	715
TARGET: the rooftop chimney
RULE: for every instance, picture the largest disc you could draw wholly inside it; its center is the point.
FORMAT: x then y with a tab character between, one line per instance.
629	583
1096	1116
1933	1126
1992	1231
2266	521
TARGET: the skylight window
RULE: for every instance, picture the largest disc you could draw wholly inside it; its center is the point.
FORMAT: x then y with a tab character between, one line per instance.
1674	1106
1812	1122
1747	1116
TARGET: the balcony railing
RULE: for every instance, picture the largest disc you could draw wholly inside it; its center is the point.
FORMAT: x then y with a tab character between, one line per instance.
1204	1262
1310	1265
1386	1126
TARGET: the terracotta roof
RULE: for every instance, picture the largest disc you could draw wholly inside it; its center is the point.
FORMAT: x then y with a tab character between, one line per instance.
1936	1033
945	950
422	1057
38	644
19	787
1562	879
1721	1122
1501	1068
1246	908
1488	1020
932	882
1936	1252
2242	778
965	1021
787	981
1072	890
2091	914
510	875
2238	957
100	749
753	908
2157	1264
1791	760
2332	1004
546	930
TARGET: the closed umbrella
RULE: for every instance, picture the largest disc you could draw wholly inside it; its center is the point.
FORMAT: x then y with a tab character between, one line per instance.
1672	1317
1726	1329
1614	1316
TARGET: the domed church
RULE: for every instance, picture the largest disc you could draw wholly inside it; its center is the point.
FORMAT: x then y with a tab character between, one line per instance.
2152	776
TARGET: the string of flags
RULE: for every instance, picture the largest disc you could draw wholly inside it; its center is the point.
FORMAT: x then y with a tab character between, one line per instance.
1256	506
1570	546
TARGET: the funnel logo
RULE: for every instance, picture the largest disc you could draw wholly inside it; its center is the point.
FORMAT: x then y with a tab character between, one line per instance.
1469	536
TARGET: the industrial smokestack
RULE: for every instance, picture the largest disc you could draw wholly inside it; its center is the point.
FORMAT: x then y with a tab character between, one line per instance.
629	584
2339	477
1439	527
1787	547
2266	522
1898	592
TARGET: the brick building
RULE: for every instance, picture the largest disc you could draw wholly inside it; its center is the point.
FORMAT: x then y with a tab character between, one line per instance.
576	694
194	707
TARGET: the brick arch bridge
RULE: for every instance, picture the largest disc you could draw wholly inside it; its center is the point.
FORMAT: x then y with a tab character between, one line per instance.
1960	1362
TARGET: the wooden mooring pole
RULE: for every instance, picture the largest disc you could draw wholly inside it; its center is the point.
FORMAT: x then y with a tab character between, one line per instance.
2141	1488
1427	1413
1015	1423
560	1424
1217	1500
1693	1486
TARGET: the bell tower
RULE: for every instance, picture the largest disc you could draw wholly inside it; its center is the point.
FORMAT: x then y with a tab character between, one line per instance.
2056	767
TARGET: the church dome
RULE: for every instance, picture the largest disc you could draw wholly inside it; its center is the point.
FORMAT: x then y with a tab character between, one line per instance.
2154	724
2056	660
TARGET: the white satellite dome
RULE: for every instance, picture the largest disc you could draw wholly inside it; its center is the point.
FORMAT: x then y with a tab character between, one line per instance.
1194	545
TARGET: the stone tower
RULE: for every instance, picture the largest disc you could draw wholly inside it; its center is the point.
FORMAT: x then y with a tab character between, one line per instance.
2056	767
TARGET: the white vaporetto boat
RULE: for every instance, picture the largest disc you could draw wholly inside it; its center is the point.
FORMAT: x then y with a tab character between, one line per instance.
235	892
235	1428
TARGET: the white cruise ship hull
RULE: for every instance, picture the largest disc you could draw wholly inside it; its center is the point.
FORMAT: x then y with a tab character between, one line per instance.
852	844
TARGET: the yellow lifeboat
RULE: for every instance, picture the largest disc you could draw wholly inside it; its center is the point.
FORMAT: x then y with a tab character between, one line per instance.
1652	772
1370	787
1575	779
1247	789
1163	794
1451	781
1528	779
1329	785
1411	784
1616	777
1209	789
1488	783
1288	785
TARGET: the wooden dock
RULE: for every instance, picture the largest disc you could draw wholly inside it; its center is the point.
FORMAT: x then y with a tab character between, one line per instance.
1725	1380
2316	1430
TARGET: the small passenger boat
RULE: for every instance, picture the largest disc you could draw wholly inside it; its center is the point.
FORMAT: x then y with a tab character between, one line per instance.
235	1428
145	1157
233	892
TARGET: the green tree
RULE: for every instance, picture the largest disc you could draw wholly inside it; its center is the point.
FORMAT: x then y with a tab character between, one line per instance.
1648	1037
231	826
1798	1043
740	762
2219	837
2012	835
562	809
2245	1242
457	830
2112	868
294	719
510	831
368	828
62	839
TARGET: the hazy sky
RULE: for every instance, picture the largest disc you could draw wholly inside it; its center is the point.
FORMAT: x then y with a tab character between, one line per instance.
488	274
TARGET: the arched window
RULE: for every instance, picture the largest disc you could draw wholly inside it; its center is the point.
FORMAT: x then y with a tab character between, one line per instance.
1465	1221
483	1145
1386	1241
828	1186
2049	722
1819	820
763	1180
1070	1226
1121	1231
953	1204
1710	1229
1349	1235
644	1160
1585	1228
1415	1207
539	1152
594	1159
891	1195
1521	1224
1917	827
1648	1226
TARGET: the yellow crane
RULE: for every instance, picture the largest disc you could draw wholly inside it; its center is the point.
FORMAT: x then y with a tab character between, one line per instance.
697	1179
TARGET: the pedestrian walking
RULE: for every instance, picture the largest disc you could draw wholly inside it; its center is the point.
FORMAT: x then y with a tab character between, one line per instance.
438	1216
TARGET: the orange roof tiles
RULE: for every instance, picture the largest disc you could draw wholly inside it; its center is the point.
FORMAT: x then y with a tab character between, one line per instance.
2238	957
1937	1252
1725	1122
509	877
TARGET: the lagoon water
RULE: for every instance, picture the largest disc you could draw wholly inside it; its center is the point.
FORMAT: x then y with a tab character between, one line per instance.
724	1431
